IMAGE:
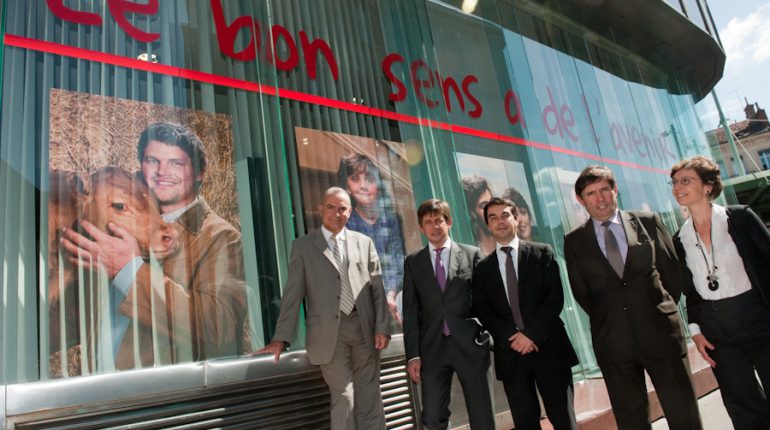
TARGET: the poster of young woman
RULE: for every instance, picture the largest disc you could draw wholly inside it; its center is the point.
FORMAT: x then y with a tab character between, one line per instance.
145	257
376	175
485	177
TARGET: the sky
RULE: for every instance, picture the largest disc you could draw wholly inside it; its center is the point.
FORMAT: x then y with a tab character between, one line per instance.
744	28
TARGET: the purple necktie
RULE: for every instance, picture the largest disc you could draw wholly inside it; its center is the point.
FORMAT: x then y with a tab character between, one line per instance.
440	271
441	278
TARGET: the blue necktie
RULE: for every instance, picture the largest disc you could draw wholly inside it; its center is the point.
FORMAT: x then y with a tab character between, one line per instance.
612	249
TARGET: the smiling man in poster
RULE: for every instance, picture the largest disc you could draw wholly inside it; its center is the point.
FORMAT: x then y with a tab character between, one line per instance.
191	305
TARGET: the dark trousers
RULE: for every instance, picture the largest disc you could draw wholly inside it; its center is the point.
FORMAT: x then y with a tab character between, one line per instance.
436	376
555	388
628	393
739	329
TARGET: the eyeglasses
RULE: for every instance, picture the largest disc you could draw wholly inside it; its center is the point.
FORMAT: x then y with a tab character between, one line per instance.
683	181
430	222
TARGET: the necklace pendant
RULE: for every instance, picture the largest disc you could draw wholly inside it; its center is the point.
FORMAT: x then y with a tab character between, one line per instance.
713	282
713	285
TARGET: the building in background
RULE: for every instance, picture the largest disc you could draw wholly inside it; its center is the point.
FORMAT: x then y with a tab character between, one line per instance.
523	93
752	138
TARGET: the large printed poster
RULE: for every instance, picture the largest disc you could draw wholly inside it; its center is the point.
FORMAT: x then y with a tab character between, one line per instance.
486	177
145	257
376	175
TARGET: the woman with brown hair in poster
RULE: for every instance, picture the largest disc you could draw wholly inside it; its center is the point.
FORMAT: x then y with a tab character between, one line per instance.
524	227
374	215
477	195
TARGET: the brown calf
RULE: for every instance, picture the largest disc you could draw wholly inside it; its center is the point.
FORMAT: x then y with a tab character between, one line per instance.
109	195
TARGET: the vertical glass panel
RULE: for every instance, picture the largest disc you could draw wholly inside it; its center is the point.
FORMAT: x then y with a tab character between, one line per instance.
676	4
346	138
173	287
376	175
693	11
139	206
396	101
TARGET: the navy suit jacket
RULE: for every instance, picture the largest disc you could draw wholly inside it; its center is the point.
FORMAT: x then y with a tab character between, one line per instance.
425	306
541	300
635	314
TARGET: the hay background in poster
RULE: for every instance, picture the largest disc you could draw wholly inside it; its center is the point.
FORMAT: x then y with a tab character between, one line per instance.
88	132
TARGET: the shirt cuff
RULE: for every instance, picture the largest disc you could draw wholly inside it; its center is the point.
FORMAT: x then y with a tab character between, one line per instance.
413	358
123	280
694	329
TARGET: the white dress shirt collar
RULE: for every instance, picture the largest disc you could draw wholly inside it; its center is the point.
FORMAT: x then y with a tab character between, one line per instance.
174	215
513	244
342	235
718	218
446	245
614	220
502	258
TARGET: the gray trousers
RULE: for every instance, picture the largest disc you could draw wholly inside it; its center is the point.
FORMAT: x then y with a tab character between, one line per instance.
353	377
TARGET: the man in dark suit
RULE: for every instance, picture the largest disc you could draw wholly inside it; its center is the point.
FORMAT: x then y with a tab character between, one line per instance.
517	294
337	272
438	332
625	274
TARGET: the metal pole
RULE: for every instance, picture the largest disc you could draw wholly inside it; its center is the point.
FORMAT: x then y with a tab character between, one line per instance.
738	169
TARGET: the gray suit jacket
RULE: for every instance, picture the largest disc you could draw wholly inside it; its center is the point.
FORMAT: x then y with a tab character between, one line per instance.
314	277
425	306
635	314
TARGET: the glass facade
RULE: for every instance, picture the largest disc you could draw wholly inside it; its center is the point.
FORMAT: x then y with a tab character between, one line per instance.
405	100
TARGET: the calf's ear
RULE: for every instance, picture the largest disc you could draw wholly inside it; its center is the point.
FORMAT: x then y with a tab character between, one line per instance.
83	187
82	183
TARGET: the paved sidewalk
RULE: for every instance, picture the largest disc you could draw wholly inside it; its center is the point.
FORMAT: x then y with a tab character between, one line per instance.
712	413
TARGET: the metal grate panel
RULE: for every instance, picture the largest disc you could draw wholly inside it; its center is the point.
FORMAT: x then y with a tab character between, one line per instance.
293	401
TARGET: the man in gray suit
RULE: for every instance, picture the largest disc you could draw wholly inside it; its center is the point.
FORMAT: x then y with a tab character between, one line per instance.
625	274
438	332
337	272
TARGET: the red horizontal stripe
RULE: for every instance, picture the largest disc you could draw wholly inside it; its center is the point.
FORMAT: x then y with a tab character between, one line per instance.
210	78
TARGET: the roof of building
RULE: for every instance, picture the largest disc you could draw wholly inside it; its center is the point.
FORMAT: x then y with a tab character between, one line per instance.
656	32
755	123
719	133
650	34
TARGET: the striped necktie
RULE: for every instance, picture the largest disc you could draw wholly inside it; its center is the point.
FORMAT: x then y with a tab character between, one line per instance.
347	302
